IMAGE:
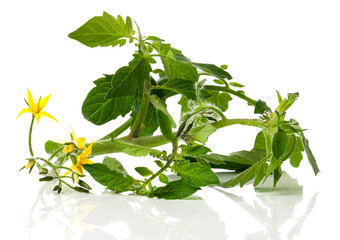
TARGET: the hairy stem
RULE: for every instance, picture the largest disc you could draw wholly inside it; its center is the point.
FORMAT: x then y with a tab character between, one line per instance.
167	165
250	101
30	137
107	147
115	133
141	113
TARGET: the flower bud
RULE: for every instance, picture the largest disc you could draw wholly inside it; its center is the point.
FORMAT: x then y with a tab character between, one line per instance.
75	177
30	163
84	184
43	171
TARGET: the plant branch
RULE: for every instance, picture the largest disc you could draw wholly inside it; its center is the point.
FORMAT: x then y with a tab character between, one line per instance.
115	133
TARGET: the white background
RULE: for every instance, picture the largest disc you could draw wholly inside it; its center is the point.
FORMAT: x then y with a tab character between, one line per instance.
290	46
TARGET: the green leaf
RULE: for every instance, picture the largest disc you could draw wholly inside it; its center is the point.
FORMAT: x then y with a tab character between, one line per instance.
128	79
309	153
104	31
181	86
235	84
174	68
290	147
296	156
201	134
51	147
174	190
279	143
238	161
134	149
260	141
46	179
114	164
255	171
111	179
219	99
165	124
143	171
277	176
196	150
196	174
159	163
163	178
149	122
213	70
161	106
98	109
261	107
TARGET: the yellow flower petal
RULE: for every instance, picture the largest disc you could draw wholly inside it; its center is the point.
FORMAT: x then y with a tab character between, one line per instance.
66	173
37	116
87	151
73	136
86	161
80	142
24	110
31	100
68	148
45	114
42	103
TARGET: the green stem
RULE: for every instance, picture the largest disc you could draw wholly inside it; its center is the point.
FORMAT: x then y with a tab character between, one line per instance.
115	133
250	101
107	147
30	137
135	129
167	165
55	153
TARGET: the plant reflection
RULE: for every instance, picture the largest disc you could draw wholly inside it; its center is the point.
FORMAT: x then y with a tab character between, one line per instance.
113	216
281	212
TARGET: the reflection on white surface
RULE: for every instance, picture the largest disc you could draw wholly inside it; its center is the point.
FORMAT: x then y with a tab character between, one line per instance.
215	214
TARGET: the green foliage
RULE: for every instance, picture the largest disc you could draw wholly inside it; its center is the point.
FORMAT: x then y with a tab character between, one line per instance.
129	78
174	190
104	31
143	89
98	109
110	178
195	174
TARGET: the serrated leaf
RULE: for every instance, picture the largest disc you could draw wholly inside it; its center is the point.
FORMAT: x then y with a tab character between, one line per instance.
111	179
161	106
201	134
174	68
114	164
196	174
104	31
134	149
129	78
238	161
165	125
261	107
196	150
182	86
219	99
100	110
247	175
143	171
174	190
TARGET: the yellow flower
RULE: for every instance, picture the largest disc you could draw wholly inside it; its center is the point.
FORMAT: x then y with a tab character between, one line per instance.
79	142
36	107
81	159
